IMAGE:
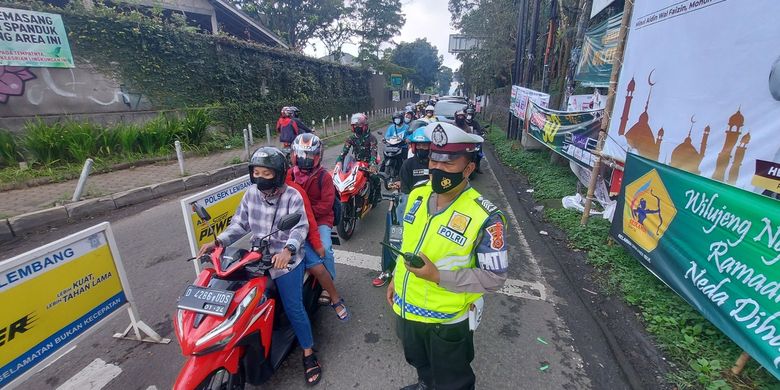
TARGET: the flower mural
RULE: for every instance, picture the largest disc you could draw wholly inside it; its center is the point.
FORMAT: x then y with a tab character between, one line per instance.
12	79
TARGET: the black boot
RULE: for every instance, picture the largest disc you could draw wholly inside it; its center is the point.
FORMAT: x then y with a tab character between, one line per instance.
417	386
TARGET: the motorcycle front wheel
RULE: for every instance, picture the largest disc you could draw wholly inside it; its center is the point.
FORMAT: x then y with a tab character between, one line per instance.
222	379
348	220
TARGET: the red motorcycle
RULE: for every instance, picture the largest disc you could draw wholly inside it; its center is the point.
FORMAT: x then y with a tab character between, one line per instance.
230	323
352	183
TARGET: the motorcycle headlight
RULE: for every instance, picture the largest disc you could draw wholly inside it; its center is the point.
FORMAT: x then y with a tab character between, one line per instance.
230	321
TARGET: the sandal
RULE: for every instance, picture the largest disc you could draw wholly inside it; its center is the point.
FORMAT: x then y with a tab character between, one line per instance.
324	299
311	368
344	316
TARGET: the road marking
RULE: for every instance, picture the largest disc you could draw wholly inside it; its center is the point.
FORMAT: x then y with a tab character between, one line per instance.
515	288
92	377
525	248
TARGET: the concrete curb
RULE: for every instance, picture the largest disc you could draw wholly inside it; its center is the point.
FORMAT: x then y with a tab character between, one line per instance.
19	225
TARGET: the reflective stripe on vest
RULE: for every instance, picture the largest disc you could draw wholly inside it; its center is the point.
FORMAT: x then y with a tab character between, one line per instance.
448	239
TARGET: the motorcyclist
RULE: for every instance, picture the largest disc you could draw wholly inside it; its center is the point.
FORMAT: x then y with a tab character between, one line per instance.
288	126
317	184
364	147
460	121
409	116
471	120
429	117
414	172
262	205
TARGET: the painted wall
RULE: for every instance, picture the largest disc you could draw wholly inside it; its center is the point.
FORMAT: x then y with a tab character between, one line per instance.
50	93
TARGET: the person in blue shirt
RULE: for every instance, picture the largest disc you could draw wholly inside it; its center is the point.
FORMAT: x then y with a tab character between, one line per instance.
398	127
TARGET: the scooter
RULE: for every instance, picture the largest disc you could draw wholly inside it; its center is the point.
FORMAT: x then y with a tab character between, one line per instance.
352	182
393	233
230	323
395	153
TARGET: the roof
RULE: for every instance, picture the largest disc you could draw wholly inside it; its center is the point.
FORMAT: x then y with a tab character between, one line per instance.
242	17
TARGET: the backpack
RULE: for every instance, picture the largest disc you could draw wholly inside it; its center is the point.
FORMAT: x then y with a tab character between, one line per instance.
336	201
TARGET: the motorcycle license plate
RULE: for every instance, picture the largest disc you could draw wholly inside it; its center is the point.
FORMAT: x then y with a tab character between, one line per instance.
206	300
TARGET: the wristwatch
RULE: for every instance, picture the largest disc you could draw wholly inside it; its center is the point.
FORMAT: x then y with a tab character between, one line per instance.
291	248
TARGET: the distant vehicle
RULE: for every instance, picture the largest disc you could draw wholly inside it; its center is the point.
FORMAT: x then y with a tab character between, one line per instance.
453	97
447	108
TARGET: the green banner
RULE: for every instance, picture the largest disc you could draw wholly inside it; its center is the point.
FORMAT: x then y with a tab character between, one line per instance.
29	38
573	135
598	53
715	245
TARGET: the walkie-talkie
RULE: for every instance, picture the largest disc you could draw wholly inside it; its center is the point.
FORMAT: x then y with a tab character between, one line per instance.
412	259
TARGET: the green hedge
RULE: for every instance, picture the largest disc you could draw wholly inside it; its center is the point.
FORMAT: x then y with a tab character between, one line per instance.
175	67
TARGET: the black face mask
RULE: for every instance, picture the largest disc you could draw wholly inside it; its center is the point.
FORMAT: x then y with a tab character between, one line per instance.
422	154
264	184
443	181
358	130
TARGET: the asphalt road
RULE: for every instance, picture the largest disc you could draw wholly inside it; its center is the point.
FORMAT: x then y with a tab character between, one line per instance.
535	322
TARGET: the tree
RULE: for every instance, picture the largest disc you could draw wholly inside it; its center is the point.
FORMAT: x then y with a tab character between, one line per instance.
378	21
297	21
444	80
489	65
420	56
336	35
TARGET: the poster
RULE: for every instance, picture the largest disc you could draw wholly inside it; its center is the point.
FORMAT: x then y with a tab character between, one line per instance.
598	6
396	96
599	48
221	203
573	135
29	38
707	102
52	295
715	245
522	96
594	101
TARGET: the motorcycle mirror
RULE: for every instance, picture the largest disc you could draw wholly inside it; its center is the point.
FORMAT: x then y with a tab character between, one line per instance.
201	212
288	221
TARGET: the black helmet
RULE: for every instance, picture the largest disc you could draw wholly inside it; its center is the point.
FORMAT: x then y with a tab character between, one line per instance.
398	114
271	158
470	111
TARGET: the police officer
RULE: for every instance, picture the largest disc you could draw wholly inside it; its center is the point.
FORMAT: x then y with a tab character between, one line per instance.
459	236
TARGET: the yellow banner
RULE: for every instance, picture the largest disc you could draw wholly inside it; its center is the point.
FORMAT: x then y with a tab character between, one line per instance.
50	300
221	204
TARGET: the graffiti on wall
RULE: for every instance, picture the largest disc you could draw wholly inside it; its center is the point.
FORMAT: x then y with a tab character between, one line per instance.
12	80
47	91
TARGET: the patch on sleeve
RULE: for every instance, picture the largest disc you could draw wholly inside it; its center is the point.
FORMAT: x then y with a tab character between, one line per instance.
493	261
496	233
486	205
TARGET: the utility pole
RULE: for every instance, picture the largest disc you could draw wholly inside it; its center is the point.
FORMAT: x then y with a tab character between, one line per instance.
582	21
522	13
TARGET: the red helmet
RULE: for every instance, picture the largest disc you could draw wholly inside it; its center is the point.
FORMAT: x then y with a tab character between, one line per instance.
306	151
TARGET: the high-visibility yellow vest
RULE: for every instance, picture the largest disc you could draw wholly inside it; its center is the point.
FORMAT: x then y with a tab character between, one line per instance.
448	238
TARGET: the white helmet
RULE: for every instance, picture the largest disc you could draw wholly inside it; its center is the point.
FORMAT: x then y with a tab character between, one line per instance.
429	108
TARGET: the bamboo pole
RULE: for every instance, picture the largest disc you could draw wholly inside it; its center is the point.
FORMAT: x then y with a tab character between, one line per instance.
739	365
620	52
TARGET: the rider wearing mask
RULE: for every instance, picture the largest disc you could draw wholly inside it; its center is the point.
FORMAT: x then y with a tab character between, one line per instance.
261	207
409	116
317	185
364	147
471	120
460	121
429	117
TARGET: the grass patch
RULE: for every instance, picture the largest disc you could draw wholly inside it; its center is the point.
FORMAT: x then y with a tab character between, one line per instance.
701	353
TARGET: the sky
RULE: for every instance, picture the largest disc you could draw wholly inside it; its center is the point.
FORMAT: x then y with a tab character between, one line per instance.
424	19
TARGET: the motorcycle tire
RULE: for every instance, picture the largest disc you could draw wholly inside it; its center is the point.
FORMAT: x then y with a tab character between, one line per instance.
348	221
222	379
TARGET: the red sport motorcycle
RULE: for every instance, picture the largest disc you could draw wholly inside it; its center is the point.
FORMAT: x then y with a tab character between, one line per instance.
351	179
230	322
